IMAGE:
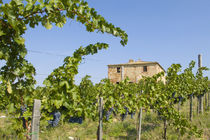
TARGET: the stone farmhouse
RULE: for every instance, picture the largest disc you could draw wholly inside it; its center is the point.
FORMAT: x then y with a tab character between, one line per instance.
134	70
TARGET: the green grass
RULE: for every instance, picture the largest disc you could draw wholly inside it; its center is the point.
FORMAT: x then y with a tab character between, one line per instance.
5	131
126	130
152	128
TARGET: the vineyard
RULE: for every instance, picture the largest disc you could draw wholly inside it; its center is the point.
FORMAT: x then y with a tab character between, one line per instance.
75	103
62	101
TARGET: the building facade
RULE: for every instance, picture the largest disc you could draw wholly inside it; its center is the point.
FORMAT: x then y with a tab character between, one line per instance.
134	70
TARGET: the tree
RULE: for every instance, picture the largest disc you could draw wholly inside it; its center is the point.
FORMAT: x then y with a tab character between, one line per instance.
16	16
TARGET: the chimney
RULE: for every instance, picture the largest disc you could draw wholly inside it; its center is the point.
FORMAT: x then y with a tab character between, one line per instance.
131	61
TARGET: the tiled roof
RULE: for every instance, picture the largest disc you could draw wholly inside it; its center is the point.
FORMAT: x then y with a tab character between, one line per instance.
136	63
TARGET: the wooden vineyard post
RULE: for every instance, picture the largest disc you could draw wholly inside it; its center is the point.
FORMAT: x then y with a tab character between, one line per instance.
35	120
100	131
139	126
197	105
165	130
191	107
208	100
200	97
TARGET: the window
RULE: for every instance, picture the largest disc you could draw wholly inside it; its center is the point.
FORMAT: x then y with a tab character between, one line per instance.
118	69
145	69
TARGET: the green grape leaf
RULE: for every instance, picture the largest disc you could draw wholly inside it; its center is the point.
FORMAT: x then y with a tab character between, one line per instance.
48	25
11	108
9	87
20	40
1	54
2	33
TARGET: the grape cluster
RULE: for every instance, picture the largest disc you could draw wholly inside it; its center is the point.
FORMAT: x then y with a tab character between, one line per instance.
56	119
173	94
23	109
124	115
132	114
108	113
178	99
76	120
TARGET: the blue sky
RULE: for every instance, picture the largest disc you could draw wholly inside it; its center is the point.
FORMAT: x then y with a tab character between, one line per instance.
166	31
